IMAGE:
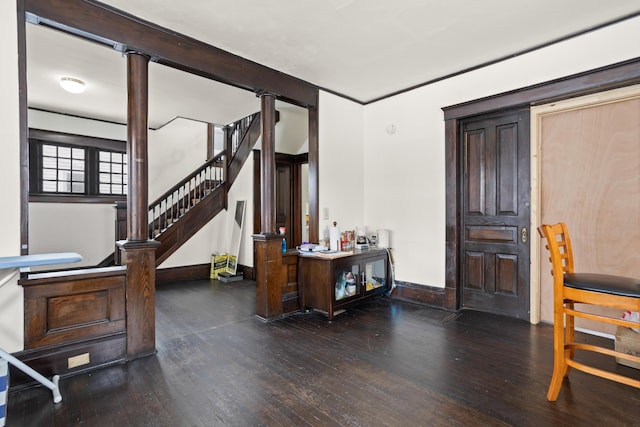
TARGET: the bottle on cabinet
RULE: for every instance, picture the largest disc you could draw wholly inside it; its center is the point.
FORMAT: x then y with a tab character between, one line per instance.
334	237
283	231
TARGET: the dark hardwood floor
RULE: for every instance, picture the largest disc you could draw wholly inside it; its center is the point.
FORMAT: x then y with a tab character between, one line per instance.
384	363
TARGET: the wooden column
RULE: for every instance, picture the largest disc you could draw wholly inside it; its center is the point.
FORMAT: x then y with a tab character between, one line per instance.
137	124
268	163
268	244
138	252
314	180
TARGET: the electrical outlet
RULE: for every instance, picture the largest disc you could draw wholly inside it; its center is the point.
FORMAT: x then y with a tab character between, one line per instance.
79	360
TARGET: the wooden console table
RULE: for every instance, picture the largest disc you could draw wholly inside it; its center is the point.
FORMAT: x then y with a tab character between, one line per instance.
332	284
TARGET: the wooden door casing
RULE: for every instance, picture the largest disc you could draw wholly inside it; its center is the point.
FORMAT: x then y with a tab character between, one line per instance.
495	217
293	216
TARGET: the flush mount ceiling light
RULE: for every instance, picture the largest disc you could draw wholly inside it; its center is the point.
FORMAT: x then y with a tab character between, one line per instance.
72	85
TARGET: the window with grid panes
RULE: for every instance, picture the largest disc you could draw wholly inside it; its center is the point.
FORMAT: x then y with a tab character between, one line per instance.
76	168
63	169
113	173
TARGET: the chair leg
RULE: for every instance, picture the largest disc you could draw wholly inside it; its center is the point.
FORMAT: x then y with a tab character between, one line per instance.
570	334
559	364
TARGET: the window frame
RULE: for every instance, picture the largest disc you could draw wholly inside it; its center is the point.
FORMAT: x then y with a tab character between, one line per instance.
91	145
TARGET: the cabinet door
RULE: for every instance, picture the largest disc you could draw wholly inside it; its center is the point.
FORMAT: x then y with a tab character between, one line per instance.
347	282
375	274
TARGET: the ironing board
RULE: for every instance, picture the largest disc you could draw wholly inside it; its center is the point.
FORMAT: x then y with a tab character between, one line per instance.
15	263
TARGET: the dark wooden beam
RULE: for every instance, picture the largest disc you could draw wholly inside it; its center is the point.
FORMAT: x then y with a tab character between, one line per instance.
173	49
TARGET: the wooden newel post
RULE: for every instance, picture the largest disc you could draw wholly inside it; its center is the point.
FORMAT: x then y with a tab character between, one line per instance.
268	243
138	252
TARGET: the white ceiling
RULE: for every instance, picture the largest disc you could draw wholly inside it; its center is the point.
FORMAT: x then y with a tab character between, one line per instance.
362	49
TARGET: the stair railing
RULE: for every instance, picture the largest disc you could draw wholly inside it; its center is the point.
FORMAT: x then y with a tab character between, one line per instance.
237	131
177	201
183	196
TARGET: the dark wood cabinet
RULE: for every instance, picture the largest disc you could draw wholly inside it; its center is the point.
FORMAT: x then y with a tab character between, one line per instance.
331	285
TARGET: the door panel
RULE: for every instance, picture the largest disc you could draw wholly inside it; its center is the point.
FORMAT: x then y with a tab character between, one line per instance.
507	274
475	172
475	270
495	273
507	157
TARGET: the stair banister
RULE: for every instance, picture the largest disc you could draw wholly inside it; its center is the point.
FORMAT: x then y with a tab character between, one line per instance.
210	162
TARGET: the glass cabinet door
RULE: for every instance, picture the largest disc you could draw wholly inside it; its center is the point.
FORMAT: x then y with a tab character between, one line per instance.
375	274
347	283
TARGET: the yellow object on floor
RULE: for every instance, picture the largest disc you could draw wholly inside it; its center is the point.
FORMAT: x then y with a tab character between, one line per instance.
218	264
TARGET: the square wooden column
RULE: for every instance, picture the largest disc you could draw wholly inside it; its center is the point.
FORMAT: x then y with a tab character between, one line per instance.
268	276
140	297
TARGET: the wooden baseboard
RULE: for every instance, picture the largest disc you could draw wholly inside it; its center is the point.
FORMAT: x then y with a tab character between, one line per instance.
426	295
195	272
185	272
248	273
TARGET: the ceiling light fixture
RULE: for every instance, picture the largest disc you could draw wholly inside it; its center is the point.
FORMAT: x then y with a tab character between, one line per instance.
72	85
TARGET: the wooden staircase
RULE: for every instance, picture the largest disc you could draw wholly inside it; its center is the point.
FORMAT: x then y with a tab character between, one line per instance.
189	205
185	208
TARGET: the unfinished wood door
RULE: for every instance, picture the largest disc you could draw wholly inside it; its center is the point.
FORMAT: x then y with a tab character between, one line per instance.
495	235
590	180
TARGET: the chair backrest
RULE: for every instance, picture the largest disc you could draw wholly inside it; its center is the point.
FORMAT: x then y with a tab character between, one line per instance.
559	245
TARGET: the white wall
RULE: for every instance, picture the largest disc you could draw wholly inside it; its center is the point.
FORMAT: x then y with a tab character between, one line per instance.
175	150
292	131
404	184
216	235
75	125
341	159
11	297
85	228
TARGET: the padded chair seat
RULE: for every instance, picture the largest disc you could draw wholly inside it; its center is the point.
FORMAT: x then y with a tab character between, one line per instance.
614	285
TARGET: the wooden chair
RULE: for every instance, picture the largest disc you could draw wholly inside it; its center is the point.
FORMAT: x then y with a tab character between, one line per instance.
570	288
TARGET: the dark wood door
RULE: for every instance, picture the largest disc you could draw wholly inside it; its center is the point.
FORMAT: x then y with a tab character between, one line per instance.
284	202
288	195
495	222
